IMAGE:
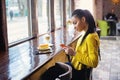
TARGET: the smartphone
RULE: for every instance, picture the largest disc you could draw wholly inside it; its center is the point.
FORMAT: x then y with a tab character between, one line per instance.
63	45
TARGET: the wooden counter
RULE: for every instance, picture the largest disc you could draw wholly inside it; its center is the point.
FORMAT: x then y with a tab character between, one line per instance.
21	61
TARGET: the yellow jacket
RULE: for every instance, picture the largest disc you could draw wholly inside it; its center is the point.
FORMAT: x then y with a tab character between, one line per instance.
87	53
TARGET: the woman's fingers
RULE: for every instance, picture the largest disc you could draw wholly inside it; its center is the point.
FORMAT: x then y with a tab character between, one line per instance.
66	50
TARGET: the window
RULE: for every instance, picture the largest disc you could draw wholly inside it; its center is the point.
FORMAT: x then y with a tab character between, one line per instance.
58	13
69	25
68	10
43	12
17	20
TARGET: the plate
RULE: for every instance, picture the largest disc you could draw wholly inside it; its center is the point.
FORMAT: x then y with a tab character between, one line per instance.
47	51
50	44
44	51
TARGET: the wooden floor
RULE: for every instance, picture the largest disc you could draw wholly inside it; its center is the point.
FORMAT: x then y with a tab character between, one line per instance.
109	66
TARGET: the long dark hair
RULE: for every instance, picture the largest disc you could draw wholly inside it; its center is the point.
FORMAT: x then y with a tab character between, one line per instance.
89	19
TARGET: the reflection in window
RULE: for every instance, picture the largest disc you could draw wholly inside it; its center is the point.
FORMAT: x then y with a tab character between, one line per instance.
58	13
17	19
43	13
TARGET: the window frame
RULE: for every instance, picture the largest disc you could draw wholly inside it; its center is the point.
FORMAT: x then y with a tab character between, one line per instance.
33	22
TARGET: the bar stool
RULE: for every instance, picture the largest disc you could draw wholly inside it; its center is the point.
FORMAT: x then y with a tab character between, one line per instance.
67	75
60	71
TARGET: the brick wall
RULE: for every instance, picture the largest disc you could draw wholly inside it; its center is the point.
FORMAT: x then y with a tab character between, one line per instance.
99	9
107	5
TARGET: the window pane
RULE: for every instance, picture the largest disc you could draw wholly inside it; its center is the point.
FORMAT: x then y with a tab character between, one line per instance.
69	24
17	19
43	13
68	10
58	13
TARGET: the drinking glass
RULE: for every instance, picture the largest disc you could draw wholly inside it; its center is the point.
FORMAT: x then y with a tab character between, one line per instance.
47	38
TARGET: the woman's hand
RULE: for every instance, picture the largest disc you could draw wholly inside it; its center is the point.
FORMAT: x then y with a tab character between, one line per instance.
69	50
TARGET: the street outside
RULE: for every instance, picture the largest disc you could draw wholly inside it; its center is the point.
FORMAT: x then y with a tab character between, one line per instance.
18	28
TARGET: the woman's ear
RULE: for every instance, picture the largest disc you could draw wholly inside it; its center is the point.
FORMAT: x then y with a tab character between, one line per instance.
83	19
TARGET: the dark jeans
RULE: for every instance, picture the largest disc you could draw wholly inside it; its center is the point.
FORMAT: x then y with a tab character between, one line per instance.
112	29
84	74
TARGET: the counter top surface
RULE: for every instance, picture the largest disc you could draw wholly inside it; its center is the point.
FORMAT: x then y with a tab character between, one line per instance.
21	60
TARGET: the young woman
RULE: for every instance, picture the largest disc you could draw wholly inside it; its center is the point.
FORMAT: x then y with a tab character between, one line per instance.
85	56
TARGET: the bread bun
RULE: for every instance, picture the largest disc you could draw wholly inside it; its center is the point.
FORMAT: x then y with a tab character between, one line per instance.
43	46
